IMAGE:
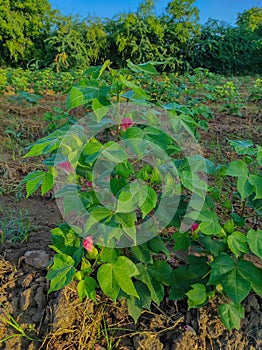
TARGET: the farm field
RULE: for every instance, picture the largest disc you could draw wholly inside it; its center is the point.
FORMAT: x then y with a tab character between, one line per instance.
224	116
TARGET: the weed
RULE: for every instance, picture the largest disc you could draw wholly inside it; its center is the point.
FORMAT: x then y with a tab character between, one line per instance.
9	319
16	228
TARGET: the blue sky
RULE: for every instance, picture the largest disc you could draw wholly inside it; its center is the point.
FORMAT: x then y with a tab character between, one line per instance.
225	10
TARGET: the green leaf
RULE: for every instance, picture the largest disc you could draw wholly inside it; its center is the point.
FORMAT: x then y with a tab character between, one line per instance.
161	271
109	255
33	181
127	221
156	288
124	169
157	245
142	253
243	147
127	202
231	315
118	275
47	183
237	168
136	306
61	273
238	220
256	180
209	224
224	271
244	187
197	296
185	276
114	152
237	243
215	247
107	281
100	107
134	140
254	240
252	274
149	201
147	68
182	241
193	183
87	288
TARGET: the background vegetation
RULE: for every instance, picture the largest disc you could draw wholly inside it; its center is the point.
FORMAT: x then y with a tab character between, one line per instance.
33	35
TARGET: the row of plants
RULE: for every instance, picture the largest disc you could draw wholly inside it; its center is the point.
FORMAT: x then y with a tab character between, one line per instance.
133	187
201	84
13	81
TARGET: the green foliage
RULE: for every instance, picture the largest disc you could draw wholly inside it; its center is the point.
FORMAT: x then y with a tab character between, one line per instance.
23	26
224	49
35	36
110	251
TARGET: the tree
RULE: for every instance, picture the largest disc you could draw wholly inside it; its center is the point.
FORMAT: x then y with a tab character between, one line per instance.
76	43
250	19
24	24
227	50
181	29
138	36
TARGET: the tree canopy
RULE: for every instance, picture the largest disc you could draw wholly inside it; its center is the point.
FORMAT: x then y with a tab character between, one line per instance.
32	34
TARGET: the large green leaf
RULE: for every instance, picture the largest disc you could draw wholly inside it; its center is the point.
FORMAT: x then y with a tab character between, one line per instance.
231	315
107	281
135	305
127	222
62	272
251	273
193	183
254	240
225	271
237	243
81	95
156	288
244	187
237	168
118	275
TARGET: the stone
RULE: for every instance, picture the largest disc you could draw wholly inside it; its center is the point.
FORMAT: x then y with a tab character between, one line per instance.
37	258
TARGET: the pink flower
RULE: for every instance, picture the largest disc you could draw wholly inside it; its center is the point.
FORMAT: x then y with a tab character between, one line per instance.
88	243
88	183
194	227
66	166
126	123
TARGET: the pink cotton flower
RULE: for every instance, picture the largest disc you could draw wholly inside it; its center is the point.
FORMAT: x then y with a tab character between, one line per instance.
88	183
194	227
88	243
66	166
126	123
